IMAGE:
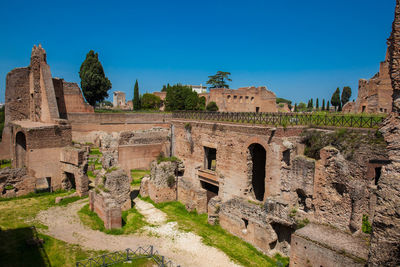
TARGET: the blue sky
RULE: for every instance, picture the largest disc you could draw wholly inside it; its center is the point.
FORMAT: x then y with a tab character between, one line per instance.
298	49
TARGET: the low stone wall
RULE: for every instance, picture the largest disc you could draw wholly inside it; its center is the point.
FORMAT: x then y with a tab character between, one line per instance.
119	118
16	182
107	209
139	156
193	197
318	245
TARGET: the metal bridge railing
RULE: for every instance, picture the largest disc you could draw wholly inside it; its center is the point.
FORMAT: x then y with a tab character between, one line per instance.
286	119
127	255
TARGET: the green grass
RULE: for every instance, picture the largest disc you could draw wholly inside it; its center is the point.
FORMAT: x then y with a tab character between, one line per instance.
95	151
161	158
5	163
16	220
132	220
137	176
213	235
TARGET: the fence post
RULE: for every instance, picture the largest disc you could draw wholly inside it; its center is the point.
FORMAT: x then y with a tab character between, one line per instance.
151	250
162	261
127	254
104	260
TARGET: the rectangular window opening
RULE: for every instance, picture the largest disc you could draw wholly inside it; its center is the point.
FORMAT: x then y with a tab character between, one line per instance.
210	158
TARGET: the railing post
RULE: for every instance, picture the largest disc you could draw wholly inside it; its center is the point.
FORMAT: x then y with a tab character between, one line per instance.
104	260
162	261
151	250
127	254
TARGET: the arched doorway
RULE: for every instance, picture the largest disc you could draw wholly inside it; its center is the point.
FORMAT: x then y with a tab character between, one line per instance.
20	150
258	157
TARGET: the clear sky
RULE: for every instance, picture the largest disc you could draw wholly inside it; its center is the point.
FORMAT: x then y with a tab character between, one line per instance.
298	49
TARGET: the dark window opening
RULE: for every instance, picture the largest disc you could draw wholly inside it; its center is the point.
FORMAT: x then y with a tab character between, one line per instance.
20	149
340	188
212	190
246	222
301	199
70	180
210	158
49	183
363	108
378	172
283	232
286	156
257	109
258	158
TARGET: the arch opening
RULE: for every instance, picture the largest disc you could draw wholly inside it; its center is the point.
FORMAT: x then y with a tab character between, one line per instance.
258	160
20	150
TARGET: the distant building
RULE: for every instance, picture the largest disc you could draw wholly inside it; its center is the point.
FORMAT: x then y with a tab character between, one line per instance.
200	89
119	99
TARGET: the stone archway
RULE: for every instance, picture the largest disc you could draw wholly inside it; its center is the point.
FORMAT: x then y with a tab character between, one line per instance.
257	158
20	150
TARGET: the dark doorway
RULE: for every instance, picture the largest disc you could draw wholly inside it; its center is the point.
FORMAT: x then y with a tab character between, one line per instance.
257	109
378	171
20	150
210	158
212	190
70	180
363	108
258	158
286	156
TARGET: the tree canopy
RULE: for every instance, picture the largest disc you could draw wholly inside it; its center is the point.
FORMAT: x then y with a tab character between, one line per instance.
150	101
181	97
219	80
94	83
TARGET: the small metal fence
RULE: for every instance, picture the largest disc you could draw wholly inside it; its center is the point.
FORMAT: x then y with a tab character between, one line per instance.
286	119
127	255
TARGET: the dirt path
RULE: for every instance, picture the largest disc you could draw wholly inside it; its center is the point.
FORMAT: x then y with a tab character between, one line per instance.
185	249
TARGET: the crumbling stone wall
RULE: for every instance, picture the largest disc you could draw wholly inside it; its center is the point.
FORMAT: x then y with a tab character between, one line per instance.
74	160
111	196
385	243
161	185
15	182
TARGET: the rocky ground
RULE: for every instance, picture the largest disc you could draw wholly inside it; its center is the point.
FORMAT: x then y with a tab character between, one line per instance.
183	248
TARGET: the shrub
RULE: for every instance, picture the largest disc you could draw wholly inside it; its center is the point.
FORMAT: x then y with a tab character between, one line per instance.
171	181
212	106
366	226
9	187
188	127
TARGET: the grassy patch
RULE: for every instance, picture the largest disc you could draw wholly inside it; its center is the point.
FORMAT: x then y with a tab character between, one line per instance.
161	158
137	176
5	163
213	235
16	223
132	221
95	151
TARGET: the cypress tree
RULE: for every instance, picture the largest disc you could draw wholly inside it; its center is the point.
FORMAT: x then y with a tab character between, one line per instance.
94	82
346	94
323	104
327	106
335	100
295	107
136	97
317	104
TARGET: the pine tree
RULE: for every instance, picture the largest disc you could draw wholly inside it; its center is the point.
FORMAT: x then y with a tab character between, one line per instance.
317	104
94	82
323	104
136	97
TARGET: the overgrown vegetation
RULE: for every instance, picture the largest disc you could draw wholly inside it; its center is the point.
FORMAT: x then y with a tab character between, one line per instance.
162	158
137	176
366	226
181	97
132	221
213	235
345	140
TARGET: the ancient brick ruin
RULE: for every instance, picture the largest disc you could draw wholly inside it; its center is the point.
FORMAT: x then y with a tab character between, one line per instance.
255	181
375	94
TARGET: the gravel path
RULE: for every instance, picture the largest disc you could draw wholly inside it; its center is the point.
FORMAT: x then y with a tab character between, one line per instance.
185	249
